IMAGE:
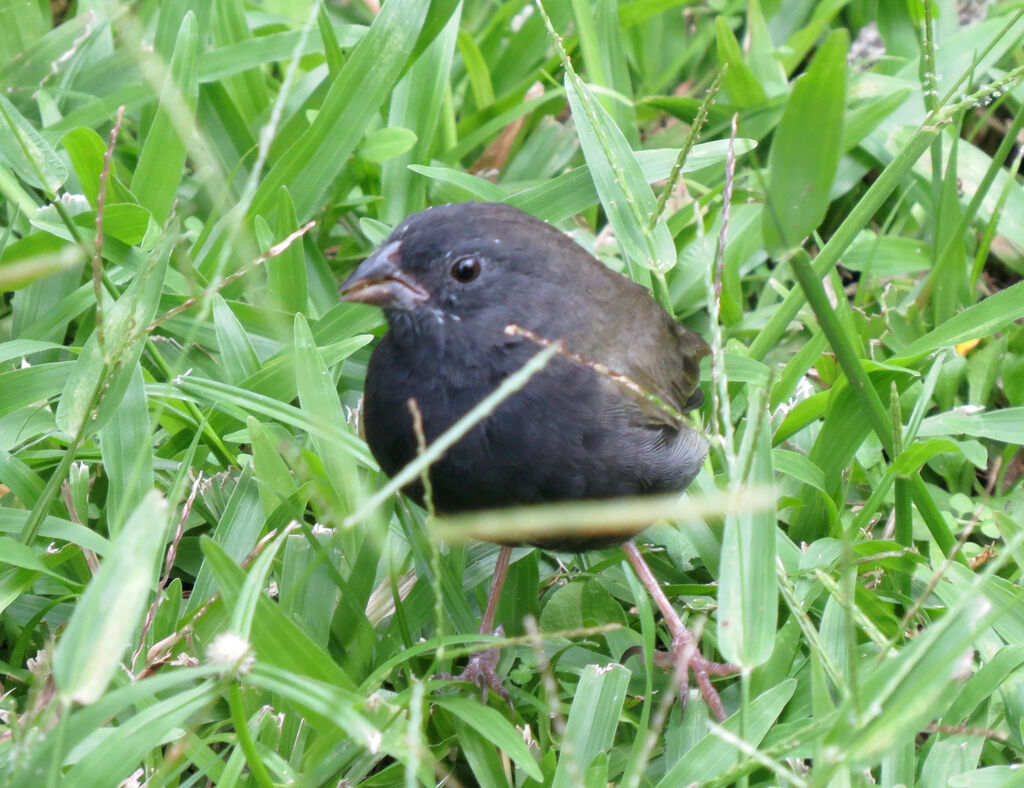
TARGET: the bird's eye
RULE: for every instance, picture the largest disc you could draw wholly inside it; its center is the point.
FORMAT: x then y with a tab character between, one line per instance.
466	269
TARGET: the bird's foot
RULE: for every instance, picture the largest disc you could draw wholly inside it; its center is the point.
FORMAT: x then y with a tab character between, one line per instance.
685	657
481	670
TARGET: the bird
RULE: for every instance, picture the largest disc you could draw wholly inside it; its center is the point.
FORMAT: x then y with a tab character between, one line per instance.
468	291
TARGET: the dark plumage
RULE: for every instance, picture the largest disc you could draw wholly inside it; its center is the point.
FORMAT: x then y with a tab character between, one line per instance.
451	279
571	433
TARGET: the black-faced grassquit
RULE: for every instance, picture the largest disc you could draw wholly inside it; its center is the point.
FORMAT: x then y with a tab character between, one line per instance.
469	290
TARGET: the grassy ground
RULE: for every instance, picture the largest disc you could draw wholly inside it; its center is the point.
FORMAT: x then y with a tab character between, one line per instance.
196	585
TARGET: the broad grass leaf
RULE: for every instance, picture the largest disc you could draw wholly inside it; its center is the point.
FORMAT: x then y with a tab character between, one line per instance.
601	44
332	49
475	187
247	89
12	521
161	162
799	467
484	759
740	368
747	587
15	275
949	278
805	151
237	356
124	222
988	777
115	757
740	82
16	554
887	255
870	114
416	104
625	194
313	593
108	613
327	704
980	688
236	533
86	150
230	59
286	272
27	153
102	373
1005	425
24	24
485	131
278	642
309	166
90	721
318	397
127	452
912	458
439	15
253	589
712	757
572	192
593	720
981	320
275	479
476	70
762	54
34	46
904	691
238	401
495	728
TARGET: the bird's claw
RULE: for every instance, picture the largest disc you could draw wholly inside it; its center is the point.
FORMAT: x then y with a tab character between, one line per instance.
481	670
685	657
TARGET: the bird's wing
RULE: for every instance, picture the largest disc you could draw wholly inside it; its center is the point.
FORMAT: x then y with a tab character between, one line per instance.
611	323
668	374
647	353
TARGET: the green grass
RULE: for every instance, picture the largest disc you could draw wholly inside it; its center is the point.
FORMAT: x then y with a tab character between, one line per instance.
197	585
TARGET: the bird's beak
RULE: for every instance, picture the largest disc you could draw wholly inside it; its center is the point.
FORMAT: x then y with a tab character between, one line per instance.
380	280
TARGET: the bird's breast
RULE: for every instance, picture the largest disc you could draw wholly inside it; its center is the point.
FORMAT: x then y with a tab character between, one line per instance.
568	434
444	378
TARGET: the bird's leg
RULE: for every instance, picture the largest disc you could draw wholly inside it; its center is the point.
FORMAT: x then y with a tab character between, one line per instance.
500	571
481	666
685	654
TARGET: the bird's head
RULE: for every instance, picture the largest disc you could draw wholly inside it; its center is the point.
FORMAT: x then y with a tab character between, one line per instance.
451	262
